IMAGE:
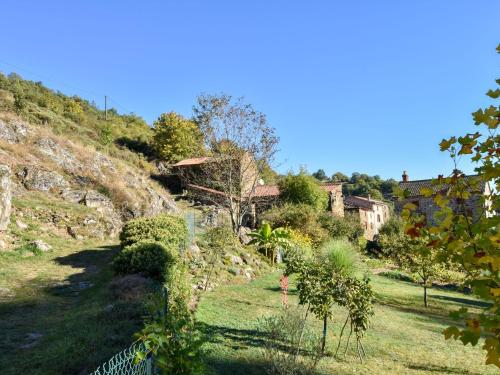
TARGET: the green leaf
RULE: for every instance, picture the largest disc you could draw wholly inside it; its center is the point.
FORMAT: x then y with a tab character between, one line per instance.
469	337
493	94
451	332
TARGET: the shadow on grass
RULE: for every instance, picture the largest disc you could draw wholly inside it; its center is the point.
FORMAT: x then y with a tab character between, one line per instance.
291	292
440	369
462	301
236	366
69	327
232	337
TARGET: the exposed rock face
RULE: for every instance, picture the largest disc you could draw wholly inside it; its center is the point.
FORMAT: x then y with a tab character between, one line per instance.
35	178
13	132
62	156
101	204
5	197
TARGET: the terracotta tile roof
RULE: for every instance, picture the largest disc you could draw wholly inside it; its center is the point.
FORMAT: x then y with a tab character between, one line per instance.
360	202
414	187
266	191
191	161
205	189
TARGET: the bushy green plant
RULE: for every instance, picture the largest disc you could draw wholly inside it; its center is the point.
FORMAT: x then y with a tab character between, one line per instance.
152	259
342	255
301	217
342	227
303	188
290	348
270	240
167	229
169	332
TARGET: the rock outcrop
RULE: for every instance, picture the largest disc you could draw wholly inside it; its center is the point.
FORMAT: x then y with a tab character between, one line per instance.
80	192
35	178
5	197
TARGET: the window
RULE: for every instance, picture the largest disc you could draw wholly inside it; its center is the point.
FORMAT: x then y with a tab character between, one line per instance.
378	218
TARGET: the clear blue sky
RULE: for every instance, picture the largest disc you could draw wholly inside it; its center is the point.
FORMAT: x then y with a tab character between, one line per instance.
366	86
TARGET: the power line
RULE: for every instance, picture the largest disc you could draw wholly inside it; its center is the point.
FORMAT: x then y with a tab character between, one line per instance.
45	77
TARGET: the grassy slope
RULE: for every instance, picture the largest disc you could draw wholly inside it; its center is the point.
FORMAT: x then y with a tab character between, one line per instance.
78	331
405	338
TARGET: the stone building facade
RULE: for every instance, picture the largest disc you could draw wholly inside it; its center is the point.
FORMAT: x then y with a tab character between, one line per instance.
473	207
372	214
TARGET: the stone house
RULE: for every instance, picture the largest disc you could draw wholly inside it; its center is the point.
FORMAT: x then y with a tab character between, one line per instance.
372	214
194	178
474	206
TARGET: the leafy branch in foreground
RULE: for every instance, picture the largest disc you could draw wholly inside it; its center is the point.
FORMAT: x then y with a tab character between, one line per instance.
468	239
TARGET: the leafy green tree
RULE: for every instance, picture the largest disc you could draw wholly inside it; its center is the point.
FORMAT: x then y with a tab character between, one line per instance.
303	188
176	138
329	279
339	177
412	255
471	241
320	175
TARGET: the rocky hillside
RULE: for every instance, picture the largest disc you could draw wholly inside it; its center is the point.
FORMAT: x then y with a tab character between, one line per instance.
65	187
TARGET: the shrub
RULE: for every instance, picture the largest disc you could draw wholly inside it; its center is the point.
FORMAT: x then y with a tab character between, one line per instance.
303	188
301	217
291	347
167	229
152	259
342	227
342	255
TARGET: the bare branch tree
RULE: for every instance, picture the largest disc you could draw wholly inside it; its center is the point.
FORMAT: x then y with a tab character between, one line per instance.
241	144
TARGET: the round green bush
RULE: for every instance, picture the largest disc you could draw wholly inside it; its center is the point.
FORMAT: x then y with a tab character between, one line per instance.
153	259
167	229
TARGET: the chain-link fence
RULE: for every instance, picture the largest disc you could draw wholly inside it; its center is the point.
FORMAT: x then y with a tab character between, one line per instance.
124	363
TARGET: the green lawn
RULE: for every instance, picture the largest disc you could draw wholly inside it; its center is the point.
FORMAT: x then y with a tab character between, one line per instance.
57	314
405	338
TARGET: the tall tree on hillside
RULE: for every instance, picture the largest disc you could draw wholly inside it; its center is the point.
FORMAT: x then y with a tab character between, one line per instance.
241	145
339	177
176	138
320	175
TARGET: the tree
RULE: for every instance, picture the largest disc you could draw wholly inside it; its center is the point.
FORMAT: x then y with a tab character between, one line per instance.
303	188
412	255
329	279
176	138
339	177
240	144
472	242
320	175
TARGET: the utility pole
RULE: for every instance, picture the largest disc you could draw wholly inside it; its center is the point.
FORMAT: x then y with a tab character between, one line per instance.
105	107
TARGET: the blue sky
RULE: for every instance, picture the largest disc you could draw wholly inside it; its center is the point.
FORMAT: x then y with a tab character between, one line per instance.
365	86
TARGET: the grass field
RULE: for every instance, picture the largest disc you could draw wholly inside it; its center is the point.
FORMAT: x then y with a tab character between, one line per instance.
405	338
56	311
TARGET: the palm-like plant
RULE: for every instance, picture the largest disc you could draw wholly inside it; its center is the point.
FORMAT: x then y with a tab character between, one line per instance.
270	240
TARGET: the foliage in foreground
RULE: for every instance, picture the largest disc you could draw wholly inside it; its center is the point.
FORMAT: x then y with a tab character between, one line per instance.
169	331
471	241
291	347
270	241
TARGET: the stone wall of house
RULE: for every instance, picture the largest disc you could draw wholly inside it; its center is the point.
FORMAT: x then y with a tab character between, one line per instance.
372	220
426	206
336	203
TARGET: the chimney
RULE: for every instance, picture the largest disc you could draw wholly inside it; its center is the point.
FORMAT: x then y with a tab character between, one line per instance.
405	177
369	197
